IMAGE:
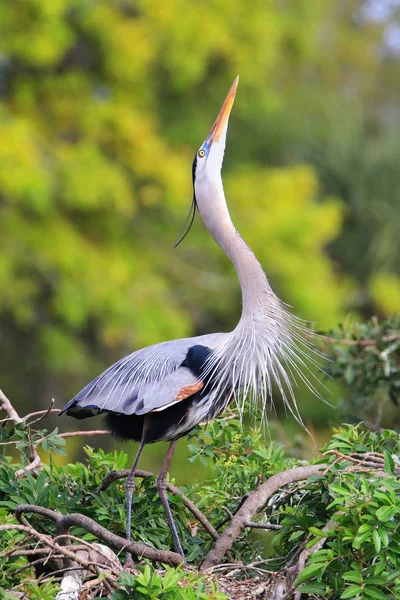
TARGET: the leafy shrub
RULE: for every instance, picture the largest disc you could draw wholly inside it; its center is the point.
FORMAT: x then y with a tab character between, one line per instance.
174	585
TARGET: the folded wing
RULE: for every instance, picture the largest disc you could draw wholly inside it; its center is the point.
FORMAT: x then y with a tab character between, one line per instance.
148	380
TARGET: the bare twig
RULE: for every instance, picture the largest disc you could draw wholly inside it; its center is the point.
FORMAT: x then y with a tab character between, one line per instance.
40	412
91	432
41	416
229	513
269	526
36	551
83	545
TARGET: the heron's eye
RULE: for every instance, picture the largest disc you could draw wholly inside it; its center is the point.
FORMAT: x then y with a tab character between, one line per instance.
202	153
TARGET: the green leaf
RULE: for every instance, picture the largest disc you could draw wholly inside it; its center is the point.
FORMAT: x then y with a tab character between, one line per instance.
317	532
364	528
385	513
354	576
377	540
375	580
314	588
388	463
373	592
394	575
352	591
309	572
338	489
360	539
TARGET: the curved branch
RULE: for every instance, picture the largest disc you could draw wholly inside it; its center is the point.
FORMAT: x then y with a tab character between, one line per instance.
9	409
35	464
251	505
64	523
196	512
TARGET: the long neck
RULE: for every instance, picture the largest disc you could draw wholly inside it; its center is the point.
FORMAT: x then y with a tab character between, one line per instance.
253	281
251	358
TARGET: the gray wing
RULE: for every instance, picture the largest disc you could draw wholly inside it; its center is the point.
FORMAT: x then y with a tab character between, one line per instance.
149	379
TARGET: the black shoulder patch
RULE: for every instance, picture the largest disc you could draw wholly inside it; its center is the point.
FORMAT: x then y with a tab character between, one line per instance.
196	359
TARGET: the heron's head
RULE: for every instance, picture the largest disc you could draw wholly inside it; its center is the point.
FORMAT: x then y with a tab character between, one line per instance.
208	160
207	183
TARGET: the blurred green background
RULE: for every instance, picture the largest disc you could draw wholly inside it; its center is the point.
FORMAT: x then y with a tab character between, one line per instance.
102	107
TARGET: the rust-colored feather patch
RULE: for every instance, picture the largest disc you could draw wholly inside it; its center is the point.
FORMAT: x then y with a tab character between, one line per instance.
189	390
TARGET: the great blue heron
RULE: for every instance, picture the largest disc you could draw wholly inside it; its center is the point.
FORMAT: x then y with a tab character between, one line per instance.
163	391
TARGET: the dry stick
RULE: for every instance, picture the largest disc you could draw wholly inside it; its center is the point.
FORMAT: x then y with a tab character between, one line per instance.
49	542
14	416
64	523
196	512
90	432
9	409
269	526
89	547
33	551
254	502
41	417
41	412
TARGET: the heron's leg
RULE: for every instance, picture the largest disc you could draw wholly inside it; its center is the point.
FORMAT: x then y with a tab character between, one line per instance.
130	486
162	491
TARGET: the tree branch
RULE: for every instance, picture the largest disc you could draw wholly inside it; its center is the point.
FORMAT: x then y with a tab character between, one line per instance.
9	409
64	523
251	505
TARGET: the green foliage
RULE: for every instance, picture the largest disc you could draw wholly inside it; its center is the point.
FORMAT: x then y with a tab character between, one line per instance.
357	516
359	163
33	590
367	363
173	585
361	555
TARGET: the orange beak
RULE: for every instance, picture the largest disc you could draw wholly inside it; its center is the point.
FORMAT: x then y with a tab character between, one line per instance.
223	115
